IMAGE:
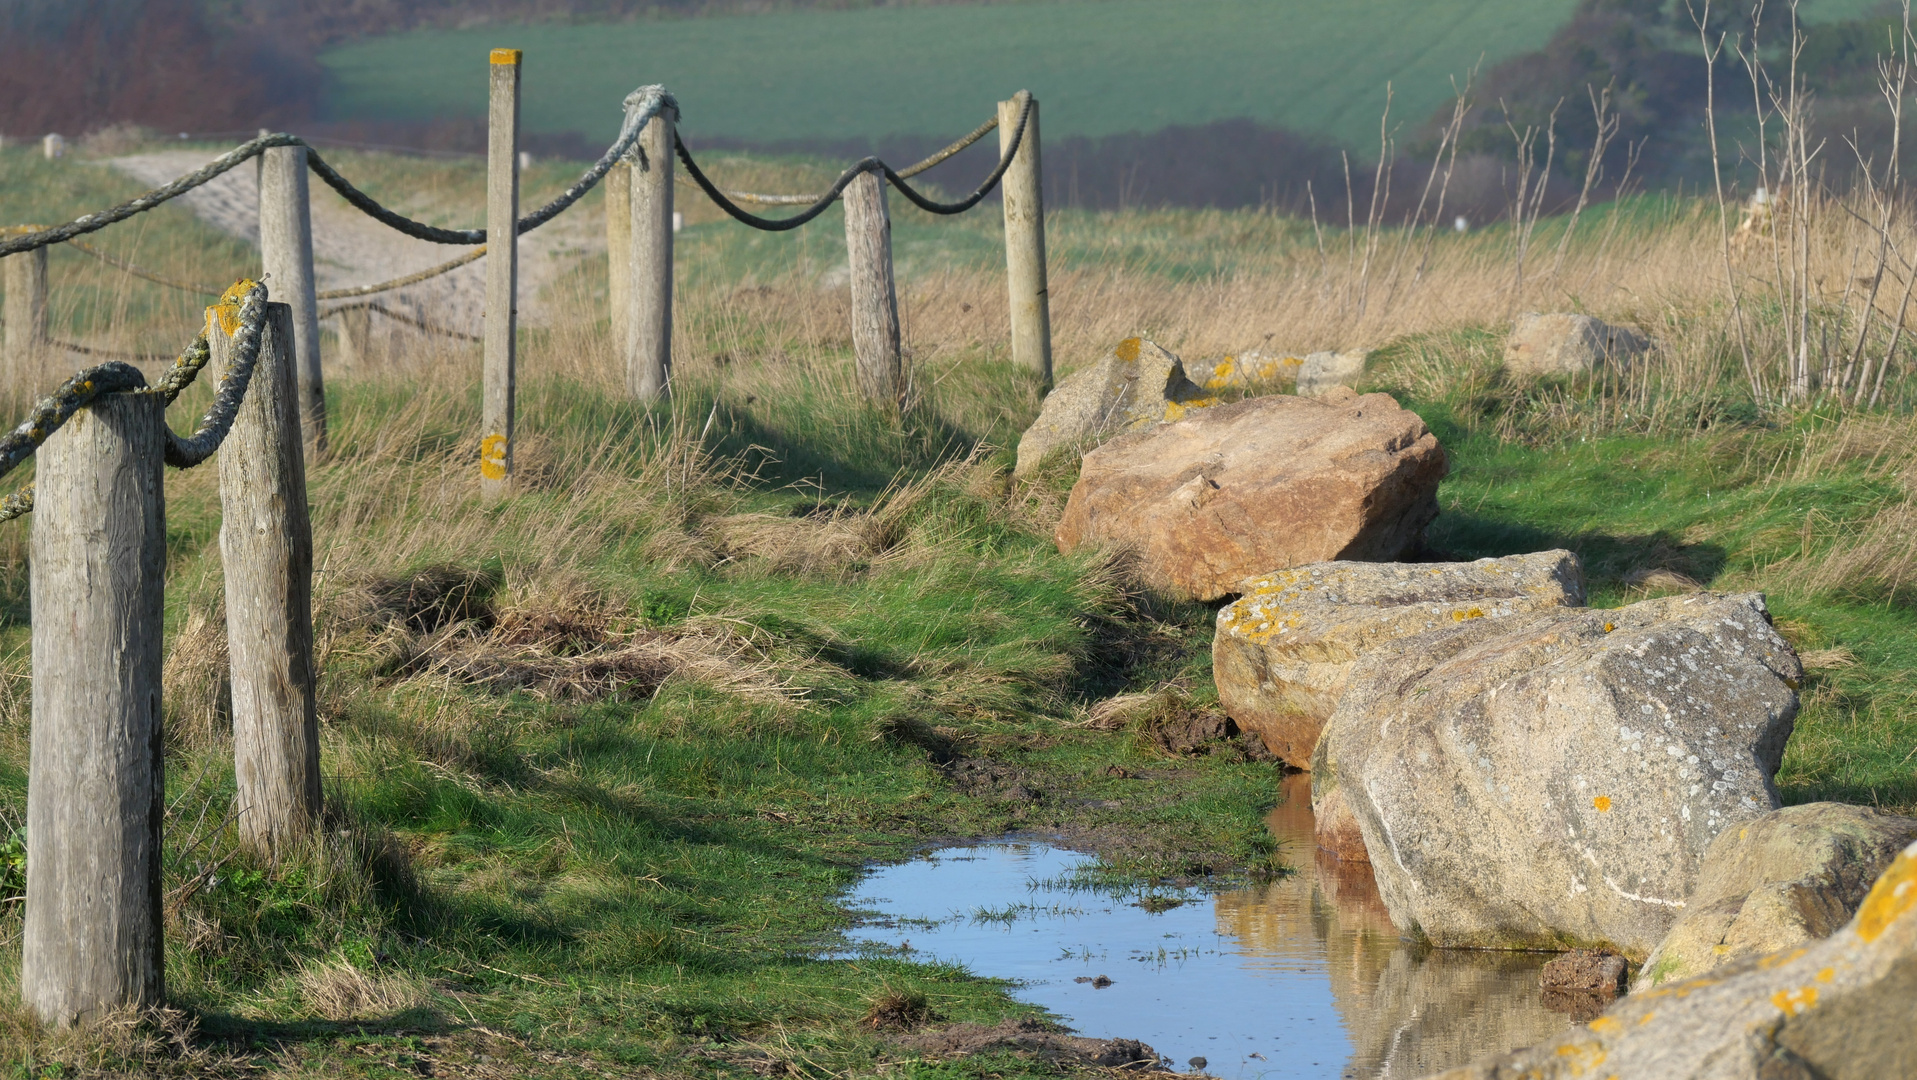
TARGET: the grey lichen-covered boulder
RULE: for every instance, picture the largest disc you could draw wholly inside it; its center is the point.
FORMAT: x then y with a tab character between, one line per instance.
1134	386
1563	343
1241	489
1837	1009
1553	779
1284	649
1791	876
1322	372
1245	370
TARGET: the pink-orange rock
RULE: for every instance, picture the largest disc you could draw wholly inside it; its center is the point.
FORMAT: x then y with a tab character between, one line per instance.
1337	829
1258	486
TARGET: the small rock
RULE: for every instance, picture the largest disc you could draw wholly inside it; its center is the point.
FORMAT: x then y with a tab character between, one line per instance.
1101	983
1553	778
1136	385
1272	482
1585	969
1323	372
1567	344
1838	1008
1786	878
1283	650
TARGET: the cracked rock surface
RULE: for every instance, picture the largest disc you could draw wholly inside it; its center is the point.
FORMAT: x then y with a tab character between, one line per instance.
1553	779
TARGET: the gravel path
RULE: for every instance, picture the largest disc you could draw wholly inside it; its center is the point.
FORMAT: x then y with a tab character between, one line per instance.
350	248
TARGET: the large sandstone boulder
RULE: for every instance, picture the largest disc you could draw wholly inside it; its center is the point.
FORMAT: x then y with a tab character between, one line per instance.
1134	386
1243	489
1323	372
1553	779
1788	877
1562	343
1283	649
1837	1009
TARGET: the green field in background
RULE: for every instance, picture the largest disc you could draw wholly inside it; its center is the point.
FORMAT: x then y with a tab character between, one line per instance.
1099	66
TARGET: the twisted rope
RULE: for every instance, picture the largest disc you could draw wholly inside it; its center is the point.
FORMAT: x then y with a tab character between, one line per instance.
910	171
398	316
402	282
864	165
249	297
51	413
641	105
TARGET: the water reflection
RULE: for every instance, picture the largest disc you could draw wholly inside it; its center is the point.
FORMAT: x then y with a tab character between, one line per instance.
1305	977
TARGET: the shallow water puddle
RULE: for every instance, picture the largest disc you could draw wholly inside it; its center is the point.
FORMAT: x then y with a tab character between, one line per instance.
1305	977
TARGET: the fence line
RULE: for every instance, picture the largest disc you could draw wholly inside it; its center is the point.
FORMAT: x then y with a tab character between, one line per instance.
93	929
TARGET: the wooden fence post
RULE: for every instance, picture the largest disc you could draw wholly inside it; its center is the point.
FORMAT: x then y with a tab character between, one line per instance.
266	547
95	784
649	333
875	305
502	273
355	333
619	253
1023	190
286	251
26	314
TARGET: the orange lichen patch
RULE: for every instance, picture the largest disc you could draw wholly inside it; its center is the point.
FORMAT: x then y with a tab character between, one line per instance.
1779	959
225	312
1176	410
1892	896
1792	1002
1608	627
1127	350
1826	975
1469	613
1603	804
1680	990
1605	1024
506	56
1645	1019
1581	1057
492	457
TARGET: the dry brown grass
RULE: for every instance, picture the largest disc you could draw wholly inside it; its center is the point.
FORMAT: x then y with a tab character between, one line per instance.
337	989
195	683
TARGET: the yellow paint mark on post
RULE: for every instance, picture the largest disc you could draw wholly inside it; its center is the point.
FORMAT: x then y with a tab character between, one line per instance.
1892	896
507	56
492	457
1603	804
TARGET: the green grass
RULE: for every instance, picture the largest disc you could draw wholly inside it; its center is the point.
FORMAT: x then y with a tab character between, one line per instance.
1099	66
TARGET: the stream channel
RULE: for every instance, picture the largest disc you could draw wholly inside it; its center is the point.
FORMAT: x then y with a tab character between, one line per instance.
1301	977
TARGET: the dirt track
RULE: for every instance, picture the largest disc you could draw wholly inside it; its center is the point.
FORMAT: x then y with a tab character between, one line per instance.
350	248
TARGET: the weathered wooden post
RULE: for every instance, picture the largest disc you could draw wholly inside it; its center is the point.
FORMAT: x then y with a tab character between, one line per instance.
95	782
502	273
25	281
619	253
286	251
875	305
649	333
1023	190
266	547
355	333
